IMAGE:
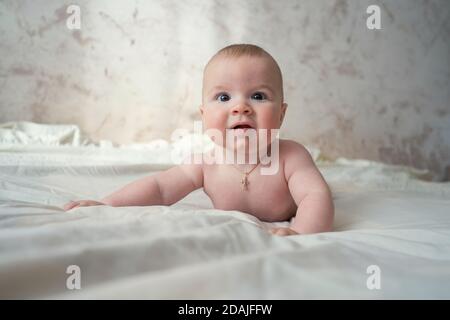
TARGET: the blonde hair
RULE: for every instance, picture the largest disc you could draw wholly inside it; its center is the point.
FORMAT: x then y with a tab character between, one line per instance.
237	50
249	50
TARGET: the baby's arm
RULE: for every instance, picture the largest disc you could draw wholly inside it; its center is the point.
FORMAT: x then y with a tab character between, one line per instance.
164	188
310	192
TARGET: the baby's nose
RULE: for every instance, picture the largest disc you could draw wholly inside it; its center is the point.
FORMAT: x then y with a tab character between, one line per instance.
241	108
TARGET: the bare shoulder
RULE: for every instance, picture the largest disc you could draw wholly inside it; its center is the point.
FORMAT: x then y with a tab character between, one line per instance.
289	146
295	157
192	167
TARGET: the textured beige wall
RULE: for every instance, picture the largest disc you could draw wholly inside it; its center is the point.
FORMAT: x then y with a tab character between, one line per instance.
133	71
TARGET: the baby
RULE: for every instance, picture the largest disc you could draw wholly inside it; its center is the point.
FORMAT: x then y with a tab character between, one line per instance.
242	93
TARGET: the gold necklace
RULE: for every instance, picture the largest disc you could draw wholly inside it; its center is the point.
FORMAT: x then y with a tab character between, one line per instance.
244	180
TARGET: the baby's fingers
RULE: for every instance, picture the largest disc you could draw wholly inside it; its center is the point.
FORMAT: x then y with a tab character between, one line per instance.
81	203
71	205
283	232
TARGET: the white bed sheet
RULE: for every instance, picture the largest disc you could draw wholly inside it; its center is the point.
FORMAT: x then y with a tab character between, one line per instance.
385	216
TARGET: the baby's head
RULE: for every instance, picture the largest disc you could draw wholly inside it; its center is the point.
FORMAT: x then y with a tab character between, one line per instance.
242	87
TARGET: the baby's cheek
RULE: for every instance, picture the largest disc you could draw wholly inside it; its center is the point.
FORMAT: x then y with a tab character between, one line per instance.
269	119
215	120
214	127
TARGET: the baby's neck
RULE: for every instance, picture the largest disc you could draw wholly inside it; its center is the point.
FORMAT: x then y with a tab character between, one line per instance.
241	158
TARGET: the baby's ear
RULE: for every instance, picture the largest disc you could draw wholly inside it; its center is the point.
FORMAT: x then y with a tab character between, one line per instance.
283	112
201	109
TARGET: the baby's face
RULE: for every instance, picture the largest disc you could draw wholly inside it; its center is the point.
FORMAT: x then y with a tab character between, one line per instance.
244	90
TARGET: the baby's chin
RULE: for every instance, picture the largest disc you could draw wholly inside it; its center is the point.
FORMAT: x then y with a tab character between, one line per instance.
243	145
246	141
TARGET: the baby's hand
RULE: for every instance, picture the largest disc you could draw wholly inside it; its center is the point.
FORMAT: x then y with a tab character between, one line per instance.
81	203
283	231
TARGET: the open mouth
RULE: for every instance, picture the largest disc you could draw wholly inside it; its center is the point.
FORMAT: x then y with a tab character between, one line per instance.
242	127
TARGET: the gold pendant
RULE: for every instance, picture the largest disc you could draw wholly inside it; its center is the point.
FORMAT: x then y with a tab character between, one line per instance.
245	182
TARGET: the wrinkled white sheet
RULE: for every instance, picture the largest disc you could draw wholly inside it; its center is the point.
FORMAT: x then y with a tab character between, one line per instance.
385	216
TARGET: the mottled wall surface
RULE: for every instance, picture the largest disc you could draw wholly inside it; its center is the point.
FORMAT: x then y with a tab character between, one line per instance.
133	70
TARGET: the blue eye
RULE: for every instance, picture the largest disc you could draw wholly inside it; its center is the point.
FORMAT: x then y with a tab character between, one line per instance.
259	96
223	97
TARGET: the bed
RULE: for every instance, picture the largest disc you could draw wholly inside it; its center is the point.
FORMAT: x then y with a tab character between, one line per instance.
391	237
